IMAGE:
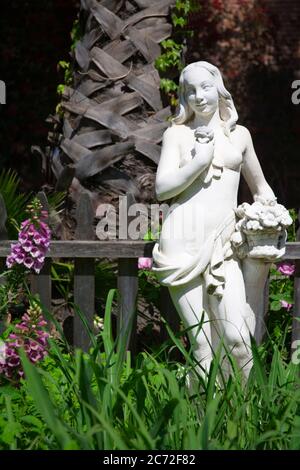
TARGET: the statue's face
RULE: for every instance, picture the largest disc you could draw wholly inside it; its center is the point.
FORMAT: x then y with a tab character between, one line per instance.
200	91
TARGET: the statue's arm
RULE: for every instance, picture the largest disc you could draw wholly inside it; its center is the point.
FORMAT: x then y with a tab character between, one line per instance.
171	180
252	171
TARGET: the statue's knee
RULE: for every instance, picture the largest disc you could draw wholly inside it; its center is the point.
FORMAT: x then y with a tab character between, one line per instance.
202	346
237	345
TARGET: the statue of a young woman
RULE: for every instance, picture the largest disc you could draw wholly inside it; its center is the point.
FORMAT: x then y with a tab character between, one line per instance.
203	155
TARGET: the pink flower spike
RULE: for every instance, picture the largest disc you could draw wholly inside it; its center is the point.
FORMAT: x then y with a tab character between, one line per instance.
31	231
13	361
45	242
35	356
145	263
20	257
16	251
27	246
15	248
34	345
10	261
37	238
43	251
38	265
23	328
44	226
9	352
35	252
25	223
286	305
17	344
22	237
28	262
286	268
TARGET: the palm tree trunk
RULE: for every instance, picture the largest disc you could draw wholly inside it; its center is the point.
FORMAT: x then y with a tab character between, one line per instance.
109	139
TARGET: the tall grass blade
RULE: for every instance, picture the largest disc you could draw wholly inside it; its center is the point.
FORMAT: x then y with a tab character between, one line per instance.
45	405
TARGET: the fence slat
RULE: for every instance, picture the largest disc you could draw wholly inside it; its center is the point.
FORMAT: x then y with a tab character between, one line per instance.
92	249
41	283
84	275
128	289
296	309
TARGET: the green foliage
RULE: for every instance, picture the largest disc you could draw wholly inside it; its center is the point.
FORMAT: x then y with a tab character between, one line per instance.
170	60
76	35
68	77
182	9
15	202
291	231
168	85
281	289
171	56
100	400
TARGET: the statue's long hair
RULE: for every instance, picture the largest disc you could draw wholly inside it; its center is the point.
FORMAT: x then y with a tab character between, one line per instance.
228	113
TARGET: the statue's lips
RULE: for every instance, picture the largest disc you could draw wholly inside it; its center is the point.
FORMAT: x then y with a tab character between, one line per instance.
201	106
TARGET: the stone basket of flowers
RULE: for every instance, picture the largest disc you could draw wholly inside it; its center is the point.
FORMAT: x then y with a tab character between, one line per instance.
261	229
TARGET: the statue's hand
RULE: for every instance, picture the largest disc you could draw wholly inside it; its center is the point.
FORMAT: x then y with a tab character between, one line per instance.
205	144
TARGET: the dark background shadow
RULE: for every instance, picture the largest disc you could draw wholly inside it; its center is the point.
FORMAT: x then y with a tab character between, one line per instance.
256	46
34	36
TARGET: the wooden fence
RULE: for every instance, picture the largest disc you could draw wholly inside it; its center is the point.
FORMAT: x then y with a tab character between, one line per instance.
84	250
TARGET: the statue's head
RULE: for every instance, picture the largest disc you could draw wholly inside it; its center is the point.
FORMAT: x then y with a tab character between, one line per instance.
217	95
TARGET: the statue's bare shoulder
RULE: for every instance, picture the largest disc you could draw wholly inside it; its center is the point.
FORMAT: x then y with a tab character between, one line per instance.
242	136
176	131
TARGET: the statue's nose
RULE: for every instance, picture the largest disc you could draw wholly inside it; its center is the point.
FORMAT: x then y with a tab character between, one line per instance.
199	96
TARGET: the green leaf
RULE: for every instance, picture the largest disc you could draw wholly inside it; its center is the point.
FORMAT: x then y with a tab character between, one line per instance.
10	432
33	420
44	403
15	202
260	374
275	306
232	430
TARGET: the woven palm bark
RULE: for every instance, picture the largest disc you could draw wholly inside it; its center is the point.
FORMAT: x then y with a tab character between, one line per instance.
108	141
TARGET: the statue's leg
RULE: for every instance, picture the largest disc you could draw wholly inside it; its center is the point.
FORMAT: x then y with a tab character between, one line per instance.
235	320
255	274
189	302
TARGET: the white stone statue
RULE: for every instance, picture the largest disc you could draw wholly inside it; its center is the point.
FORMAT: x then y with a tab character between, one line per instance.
205	254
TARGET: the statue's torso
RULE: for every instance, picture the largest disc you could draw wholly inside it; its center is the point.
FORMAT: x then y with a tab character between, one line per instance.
203	206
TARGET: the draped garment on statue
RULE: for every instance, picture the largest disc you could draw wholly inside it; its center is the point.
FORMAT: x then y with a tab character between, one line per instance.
209	261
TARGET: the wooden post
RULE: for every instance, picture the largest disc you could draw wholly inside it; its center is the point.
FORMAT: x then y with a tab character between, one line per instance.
168	312
128	289
261	329
84	275
41	283
296	309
